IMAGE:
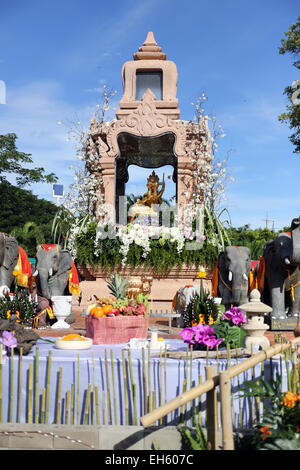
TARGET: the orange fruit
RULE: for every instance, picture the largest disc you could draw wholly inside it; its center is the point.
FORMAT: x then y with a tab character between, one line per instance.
96	311
107	308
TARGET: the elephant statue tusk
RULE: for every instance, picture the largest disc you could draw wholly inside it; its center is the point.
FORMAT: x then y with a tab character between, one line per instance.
245	277
50	272
287	261
35	273
229	275
3	290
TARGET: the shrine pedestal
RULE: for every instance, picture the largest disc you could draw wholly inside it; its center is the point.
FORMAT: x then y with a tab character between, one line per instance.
161	288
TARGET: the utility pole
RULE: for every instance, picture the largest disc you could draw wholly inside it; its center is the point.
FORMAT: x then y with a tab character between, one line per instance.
267	221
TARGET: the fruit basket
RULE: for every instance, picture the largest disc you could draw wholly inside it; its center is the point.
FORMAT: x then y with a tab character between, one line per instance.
117	319
114	330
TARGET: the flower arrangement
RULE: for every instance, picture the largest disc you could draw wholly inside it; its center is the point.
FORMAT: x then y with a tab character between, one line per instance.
19	304
158	248
225	331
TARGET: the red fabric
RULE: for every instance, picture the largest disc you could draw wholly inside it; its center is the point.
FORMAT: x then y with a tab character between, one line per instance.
48	247
215	281
75	279
26	266
254	263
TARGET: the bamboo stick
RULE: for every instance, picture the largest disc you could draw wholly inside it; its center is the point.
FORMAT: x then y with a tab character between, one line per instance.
48	387
103	406
209	384
153	400
29	400
144	380
125	388
11	384
199	404
36	382
93	391
97	404
160	379
20	385
72	412
133	388
211	415
134	405
165	381
78	388
108	389
149	380
87	404
67	407
114	386
226	413
58	398
43	406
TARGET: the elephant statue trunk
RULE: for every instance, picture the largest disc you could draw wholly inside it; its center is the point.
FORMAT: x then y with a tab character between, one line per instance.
239	289
53	265
280	279
9	254
43	282
233	267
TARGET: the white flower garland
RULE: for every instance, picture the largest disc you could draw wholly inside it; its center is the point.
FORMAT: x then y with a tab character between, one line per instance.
142	235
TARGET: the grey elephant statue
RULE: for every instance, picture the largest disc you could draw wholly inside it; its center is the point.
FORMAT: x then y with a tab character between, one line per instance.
278	274
231	276
54	267
9	255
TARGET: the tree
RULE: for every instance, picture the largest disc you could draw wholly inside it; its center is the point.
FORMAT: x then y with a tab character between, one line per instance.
291	44
26	217
13	161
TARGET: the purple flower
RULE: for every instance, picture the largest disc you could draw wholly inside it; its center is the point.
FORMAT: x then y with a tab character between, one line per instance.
8	339
235	315
187	335
211	341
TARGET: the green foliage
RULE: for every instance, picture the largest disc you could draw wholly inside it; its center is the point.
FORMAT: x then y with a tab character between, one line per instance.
26	217
232	335
215	229
253	239
198	442
279	427
13	161
117	286
291	44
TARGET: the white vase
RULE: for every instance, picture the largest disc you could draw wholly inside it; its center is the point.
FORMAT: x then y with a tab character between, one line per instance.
62	306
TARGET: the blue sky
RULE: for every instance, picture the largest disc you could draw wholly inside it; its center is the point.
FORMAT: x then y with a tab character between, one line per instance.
57	55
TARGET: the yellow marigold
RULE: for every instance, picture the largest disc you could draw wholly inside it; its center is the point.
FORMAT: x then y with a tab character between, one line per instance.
290	399
211	320
201	319
194	323
201	274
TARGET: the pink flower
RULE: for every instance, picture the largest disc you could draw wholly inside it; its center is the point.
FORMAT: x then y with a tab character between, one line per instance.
187	335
